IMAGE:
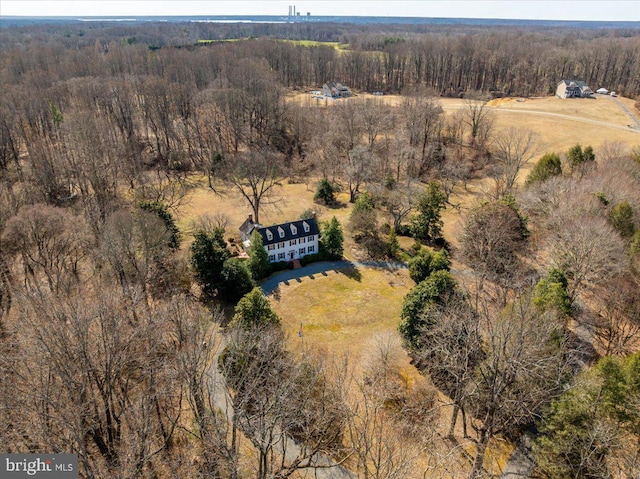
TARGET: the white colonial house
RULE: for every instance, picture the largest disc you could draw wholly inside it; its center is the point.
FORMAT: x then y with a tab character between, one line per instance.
286	241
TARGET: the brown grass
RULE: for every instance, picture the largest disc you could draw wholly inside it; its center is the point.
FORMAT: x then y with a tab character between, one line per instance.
341	310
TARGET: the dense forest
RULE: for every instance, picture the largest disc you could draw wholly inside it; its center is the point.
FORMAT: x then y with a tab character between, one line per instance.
449	59
150	354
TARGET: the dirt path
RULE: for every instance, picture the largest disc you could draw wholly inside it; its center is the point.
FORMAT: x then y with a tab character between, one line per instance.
632	117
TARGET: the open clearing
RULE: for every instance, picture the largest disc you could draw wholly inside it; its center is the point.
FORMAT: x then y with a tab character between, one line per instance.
341	311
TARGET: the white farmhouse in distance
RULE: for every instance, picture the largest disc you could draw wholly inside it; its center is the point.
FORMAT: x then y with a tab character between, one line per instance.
284	242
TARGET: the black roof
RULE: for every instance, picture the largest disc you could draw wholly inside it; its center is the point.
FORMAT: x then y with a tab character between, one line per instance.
288	231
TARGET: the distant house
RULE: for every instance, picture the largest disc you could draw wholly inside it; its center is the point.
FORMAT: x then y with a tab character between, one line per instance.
286	241
336	90
573	89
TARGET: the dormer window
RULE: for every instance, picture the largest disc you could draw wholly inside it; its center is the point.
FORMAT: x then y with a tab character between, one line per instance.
307	228
294	230
280	232
269	235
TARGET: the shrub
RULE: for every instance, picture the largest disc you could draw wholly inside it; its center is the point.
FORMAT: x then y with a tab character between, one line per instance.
621	217
551	292
425	262
549	165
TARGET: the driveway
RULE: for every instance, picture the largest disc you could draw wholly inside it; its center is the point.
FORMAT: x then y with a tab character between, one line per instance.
269	285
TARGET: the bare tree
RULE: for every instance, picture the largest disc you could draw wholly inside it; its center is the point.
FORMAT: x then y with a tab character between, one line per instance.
512	151
50	242
451	349
587	248
493	236
423	118
98	373
277	399
358	169
255	176
616	323
526	364
398	201
479	119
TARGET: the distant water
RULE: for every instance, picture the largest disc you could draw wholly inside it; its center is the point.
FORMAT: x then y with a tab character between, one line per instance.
8	21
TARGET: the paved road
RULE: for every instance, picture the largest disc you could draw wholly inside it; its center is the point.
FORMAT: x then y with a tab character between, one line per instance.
270	284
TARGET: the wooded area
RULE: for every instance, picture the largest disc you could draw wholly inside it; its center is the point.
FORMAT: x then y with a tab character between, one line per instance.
128	342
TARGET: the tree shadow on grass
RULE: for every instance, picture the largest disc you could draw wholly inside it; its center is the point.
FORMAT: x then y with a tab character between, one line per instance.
351	273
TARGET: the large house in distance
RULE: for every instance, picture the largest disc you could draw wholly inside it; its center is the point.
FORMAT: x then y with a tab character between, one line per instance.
573	89
335	90
286	241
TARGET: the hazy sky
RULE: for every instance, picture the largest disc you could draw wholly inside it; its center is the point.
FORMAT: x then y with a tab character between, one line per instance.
522	9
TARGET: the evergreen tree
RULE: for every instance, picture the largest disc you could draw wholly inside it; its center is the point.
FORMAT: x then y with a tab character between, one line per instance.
325	193
393	246
425	262
254	310
621	217
548	166
259	264
427	224
236	280
331	240
208	255
427	294
579	158
551	292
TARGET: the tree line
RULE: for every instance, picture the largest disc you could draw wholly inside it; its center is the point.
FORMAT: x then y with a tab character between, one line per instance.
521	61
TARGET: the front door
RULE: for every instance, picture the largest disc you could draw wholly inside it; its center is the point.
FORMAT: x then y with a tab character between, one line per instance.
291	254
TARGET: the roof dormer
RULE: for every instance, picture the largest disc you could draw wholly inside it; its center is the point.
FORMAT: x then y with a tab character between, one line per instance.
269	235
280	232
294	230
306	226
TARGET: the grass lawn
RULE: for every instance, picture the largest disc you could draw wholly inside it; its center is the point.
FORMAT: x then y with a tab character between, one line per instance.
342	312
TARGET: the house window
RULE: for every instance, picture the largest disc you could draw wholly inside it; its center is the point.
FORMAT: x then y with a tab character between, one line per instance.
307	228
281	245
311	238
281	232
301	251
294	230
280	256
272	258
269	235
271	247
311	248
292	243
301	240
